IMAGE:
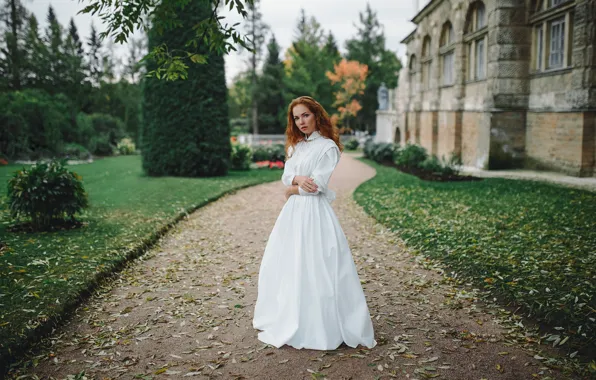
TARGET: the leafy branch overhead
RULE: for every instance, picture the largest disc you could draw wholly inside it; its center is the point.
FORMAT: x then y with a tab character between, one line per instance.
123	18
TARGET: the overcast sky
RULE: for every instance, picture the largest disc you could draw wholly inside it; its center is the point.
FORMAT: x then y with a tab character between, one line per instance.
339	16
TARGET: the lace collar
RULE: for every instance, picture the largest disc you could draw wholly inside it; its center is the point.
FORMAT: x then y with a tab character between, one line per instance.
313	136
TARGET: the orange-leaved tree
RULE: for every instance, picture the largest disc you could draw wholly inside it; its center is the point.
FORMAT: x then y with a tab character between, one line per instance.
350	75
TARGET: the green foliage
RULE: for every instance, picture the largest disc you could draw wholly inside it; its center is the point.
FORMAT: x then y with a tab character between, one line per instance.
36	123
380	152
352	144
46	193
270	93
121	19
273	152
384	152
532	244
100	133
129	211
126	147
411	156
186	128
74	151
368	47
241	157
308	60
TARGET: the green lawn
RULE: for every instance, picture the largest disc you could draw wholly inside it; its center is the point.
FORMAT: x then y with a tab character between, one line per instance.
41	274
527	242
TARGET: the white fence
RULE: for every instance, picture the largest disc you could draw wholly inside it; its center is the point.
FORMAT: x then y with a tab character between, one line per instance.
253	140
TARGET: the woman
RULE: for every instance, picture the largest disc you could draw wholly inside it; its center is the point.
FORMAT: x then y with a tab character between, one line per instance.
309	291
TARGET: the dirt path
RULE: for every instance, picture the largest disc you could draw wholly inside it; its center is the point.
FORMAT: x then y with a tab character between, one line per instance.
185	308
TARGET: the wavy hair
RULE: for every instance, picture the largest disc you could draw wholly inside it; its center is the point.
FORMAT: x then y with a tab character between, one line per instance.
322	120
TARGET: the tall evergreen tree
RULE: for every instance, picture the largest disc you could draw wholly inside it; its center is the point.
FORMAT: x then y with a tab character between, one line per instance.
13	15
75	75
186	128
55	59
272	103
256	30
307	62
383	65
94	60
133	68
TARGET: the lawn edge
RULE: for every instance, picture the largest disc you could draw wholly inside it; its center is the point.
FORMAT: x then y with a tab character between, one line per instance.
14	353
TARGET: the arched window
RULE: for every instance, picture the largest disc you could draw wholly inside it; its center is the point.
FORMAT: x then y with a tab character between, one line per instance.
412	64
447	51
476	37
426	62
553	37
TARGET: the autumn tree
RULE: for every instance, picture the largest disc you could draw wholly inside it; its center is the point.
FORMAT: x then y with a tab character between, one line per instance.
350	76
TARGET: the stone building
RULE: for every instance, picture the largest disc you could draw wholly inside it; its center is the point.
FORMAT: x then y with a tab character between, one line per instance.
502	84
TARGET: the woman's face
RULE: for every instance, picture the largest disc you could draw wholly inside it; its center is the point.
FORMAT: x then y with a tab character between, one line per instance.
304	119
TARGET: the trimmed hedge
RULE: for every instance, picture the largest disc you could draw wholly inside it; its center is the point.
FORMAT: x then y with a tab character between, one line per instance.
186	128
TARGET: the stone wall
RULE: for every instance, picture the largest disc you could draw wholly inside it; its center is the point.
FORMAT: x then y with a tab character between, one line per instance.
515	116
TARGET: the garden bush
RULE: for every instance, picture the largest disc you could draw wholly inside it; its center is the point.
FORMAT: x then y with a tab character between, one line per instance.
411	156
126	147
241	157
384	152
186	126
74	151
274	152
352	144
369	147
46	193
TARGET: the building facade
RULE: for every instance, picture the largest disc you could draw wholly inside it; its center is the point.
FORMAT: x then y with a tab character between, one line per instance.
502	84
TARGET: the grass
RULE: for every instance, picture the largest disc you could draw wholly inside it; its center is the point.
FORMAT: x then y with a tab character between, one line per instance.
42	275
531	244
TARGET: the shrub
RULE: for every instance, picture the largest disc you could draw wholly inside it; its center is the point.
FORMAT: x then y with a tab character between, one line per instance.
383	152
186	126
241	157
275	152
352	144
46	193
126	147
369	148
410	156
76	152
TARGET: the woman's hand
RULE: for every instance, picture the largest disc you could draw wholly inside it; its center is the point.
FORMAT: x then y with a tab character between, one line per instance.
306	183
291	190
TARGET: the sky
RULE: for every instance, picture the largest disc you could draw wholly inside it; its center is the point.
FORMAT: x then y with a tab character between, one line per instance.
339	16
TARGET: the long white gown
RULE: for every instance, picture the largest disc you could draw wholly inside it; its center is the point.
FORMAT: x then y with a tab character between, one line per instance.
309	293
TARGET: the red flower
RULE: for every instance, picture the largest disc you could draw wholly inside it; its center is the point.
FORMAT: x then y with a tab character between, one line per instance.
3	161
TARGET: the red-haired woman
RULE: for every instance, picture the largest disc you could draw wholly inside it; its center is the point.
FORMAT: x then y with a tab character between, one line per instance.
309	291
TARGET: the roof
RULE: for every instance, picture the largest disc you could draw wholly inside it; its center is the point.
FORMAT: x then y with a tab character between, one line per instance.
426	10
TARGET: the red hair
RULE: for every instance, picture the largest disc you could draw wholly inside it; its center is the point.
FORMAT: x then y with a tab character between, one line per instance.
322	120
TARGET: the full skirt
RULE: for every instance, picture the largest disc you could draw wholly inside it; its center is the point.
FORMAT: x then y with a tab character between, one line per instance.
309	293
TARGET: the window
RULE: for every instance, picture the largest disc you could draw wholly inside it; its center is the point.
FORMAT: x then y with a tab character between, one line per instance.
476	35
480	74
412	66
448	68
426	63
553	35
447	50
539	43
557	43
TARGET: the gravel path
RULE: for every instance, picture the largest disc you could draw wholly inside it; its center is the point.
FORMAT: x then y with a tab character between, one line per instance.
184	310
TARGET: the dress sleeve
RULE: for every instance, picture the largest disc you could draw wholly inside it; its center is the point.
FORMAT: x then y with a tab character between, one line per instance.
289	172
323	171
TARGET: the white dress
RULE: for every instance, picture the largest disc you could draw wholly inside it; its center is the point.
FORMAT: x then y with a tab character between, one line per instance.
309	293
